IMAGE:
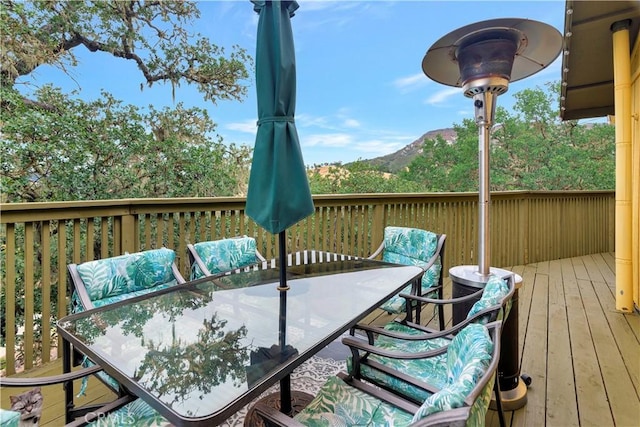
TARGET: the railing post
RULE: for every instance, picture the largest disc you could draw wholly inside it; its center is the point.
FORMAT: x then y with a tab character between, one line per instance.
127	234
377	227
523	238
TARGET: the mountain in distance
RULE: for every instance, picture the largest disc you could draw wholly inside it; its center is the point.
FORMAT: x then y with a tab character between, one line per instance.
395	162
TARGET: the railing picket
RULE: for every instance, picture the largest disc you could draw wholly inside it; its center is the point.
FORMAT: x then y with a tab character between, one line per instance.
45	319
62	271
10	298
29	294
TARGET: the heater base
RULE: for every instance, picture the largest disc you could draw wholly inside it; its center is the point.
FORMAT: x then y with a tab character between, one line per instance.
512	399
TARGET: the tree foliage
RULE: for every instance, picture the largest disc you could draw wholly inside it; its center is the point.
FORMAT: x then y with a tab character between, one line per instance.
153	34
104	149
531	149
357	177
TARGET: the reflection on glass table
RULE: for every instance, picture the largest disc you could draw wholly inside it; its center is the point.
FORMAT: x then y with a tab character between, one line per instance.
201	351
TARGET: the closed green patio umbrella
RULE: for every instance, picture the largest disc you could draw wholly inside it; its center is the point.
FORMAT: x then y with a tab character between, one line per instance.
279	195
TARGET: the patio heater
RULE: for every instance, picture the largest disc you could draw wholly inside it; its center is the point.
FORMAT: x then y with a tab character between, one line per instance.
482	59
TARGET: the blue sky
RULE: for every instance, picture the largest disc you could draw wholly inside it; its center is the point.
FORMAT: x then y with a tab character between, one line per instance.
361	90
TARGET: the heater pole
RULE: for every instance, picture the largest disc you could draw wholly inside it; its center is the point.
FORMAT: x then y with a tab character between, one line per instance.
485	105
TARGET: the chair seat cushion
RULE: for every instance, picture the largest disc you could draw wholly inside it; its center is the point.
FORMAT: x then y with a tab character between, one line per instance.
339	404
434	367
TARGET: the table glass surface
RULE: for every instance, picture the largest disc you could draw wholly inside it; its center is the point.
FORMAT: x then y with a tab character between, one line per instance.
197	349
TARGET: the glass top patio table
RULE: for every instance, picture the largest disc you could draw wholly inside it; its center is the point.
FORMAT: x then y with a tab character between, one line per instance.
200	351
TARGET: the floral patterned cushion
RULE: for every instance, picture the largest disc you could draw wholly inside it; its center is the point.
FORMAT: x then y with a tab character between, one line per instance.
339	404
436	367
411	246
137	413
224	255
495	290
468	358
120	277
9	418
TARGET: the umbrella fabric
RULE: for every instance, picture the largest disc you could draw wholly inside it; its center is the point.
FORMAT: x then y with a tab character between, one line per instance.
279	194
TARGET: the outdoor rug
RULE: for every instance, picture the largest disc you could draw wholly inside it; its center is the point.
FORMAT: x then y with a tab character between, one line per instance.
307	378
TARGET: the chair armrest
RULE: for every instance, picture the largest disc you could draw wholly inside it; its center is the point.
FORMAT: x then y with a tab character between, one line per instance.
194	257
371	330
78	285
492	312
356	344
438	301
177	274
49	380
377	252
274	417
259	256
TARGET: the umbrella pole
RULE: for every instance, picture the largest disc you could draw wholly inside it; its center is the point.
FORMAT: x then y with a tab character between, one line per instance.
285	383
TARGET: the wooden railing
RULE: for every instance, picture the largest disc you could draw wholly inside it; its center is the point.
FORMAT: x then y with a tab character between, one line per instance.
40	239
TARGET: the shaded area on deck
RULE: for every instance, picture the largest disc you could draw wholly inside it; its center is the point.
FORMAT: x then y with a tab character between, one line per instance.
581	354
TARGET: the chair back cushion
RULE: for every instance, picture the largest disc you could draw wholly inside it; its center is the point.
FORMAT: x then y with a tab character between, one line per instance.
494	292
468	358
112	279
224	255
411	246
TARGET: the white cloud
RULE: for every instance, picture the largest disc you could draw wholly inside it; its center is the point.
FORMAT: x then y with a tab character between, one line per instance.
408	83
375	148
370	147
248	126
327	140
443	95
307	120
351	123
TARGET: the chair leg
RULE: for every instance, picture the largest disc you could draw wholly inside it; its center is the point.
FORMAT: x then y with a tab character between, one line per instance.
496	391
441	309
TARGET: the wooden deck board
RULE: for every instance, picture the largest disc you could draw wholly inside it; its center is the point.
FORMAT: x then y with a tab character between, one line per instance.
580	352
560	393
534	361
593	407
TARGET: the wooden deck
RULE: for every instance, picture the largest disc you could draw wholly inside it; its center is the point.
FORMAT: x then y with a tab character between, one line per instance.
583	356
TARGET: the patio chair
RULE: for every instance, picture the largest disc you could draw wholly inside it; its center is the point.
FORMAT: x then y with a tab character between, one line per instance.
218	256
470	361
9	417
370	362
106	281
413	246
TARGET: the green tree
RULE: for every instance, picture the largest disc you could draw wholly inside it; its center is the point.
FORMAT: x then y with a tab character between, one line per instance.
103	149
155	35
531	149
358	177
